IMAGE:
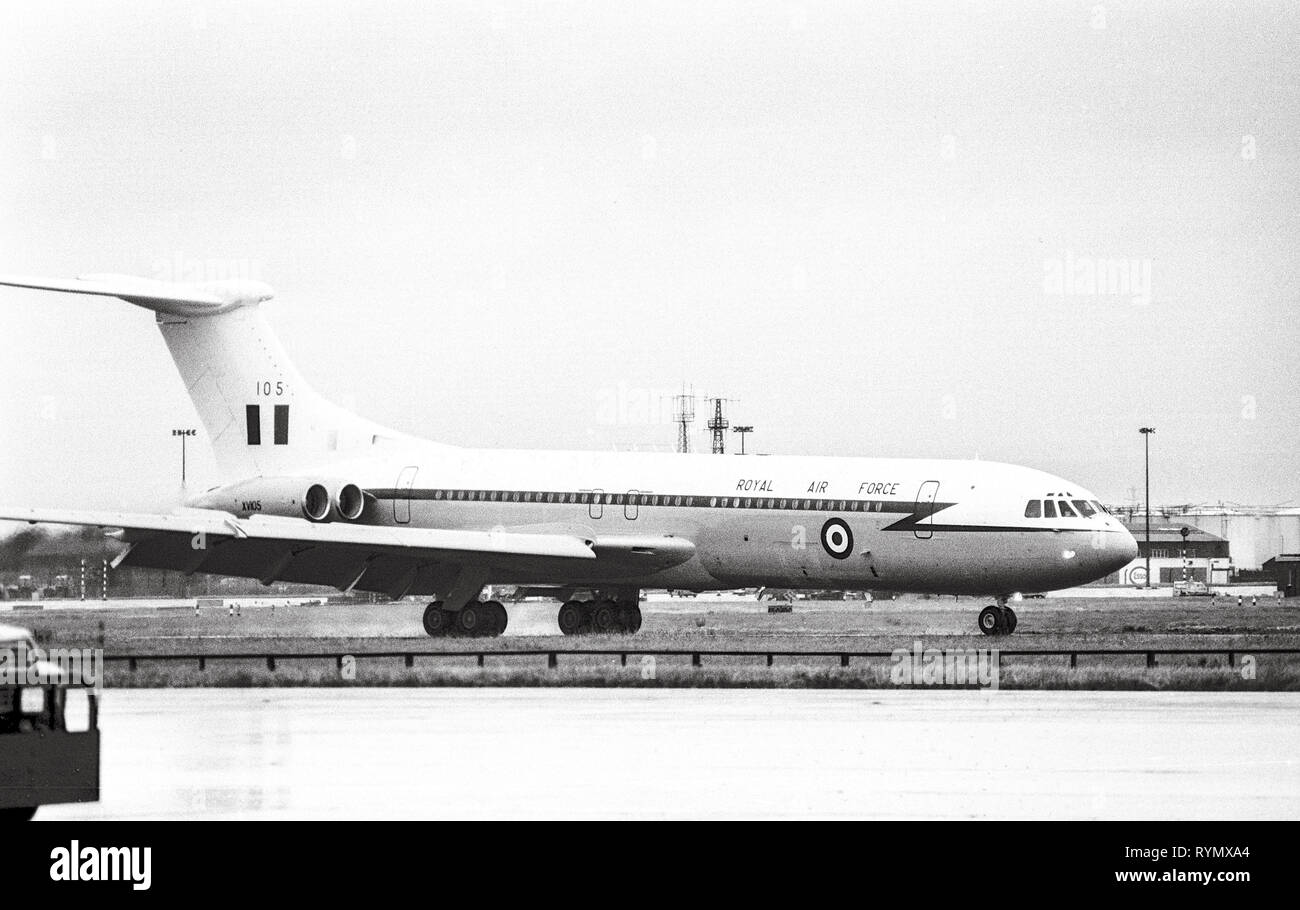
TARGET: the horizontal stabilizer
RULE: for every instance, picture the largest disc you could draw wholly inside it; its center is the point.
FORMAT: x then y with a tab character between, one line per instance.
175	299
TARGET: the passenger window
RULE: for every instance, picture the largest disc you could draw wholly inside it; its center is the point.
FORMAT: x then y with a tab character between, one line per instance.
1085	510
1049	508
1066	511
1034	508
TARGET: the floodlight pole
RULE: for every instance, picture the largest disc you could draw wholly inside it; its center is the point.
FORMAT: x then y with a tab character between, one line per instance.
742	431
183	434
1146	437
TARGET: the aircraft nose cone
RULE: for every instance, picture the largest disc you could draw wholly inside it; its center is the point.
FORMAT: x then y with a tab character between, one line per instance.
1126	549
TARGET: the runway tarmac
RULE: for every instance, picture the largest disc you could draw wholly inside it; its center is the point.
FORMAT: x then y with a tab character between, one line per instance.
693	753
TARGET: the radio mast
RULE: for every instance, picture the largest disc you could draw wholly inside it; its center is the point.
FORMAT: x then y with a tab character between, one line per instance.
684	416
718	424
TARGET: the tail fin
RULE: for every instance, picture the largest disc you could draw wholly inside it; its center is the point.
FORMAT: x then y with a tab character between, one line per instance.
261	415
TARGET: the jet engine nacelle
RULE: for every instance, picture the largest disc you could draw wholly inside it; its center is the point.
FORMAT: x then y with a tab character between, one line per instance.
289	497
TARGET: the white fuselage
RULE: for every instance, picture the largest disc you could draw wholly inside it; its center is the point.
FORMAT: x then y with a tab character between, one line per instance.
922	525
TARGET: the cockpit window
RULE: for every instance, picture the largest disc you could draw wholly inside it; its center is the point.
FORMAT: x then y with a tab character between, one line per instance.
1085	510
1034	508
1049	509
1066	511
1100	508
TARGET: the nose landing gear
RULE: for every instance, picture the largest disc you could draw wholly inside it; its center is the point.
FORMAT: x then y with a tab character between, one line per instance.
997	619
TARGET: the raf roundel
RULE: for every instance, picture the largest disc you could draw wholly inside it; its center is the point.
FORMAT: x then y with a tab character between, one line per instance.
837	539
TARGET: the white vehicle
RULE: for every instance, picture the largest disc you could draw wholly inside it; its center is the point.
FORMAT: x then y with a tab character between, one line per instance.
316	494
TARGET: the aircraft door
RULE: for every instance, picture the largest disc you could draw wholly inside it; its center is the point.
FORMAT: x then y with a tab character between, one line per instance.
402	499
925	497
596	505
630	505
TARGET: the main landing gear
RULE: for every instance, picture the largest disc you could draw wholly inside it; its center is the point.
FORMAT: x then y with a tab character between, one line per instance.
478	619
605	615
998	619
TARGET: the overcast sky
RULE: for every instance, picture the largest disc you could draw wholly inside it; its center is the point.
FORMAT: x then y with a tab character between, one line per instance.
527	224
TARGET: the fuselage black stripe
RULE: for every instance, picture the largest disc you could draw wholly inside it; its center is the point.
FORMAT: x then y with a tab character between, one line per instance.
660	500
915	514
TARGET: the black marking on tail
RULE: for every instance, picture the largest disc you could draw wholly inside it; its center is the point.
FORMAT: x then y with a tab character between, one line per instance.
282	424
253	414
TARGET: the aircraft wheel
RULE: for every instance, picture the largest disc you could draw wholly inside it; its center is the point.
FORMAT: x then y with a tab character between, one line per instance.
1010	623
497	616
604	617
990	621
471	620
629	617
570	617
437	621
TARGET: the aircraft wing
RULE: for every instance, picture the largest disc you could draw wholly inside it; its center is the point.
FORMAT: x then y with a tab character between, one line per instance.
393	560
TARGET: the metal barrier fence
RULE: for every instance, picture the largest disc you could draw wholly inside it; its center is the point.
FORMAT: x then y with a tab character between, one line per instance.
697	656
